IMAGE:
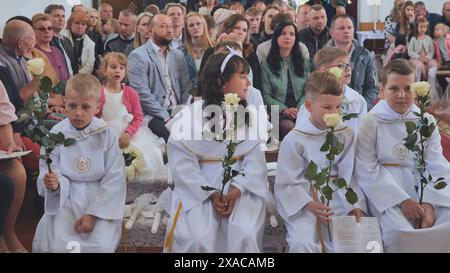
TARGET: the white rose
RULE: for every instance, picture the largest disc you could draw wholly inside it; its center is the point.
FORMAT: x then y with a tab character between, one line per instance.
331	120
232	99
421	88
138	163
36	66
130	172
336	71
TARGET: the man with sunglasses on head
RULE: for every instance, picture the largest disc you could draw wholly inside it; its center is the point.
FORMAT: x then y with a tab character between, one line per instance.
364	79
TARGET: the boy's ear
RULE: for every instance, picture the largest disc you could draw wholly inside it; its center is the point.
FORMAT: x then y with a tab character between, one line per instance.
381	95
308	104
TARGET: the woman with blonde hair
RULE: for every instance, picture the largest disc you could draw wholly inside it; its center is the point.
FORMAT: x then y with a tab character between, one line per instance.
196	43
142	31
94	31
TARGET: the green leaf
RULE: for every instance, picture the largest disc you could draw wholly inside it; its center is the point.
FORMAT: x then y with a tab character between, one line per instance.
320	179
59	88
424	180
349	116
416	114
430	177
208	188
59	137
234	173
327	190
46	84
425	131
322	199
410	127
440	185
440	179
311	171
340	183
325	147
330	156
351	196
416	188
410	141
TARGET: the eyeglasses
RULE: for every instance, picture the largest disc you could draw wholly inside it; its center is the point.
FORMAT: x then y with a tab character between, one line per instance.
44	29
345	66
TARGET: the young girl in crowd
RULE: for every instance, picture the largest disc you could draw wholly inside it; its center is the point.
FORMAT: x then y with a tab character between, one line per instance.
121	108
421	51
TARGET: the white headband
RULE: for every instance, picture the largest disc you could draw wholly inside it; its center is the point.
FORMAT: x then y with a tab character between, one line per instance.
232	53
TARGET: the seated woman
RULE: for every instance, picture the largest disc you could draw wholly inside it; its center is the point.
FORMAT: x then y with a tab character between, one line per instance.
13	169
237	26
56	68
196	43
283	76
82	46
205	221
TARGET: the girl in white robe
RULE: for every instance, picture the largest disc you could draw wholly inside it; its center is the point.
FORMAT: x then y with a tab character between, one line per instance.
196	223
299	147
384	169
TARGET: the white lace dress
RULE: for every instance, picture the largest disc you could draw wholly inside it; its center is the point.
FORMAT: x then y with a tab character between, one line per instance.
116	114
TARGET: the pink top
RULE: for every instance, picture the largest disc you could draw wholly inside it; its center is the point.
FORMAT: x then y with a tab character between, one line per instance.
7	110
131	101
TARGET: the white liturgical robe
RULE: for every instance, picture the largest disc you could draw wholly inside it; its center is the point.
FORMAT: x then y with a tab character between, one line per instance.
92	181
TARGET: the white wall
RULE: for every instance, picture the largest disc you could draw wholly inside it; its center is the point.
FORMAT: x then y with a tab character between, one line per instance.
10	8
369	13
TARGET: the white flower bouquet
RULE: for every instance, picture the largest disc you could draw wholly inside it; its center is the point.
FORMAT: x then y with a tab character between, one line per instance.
134	162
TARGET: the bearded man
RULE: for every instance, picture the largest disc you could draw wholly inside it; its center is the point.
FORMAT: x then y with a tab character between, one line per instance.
159	74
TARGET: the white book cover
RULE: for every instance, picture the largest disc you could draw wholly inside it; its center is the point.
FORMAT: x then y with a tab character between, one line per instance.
352	237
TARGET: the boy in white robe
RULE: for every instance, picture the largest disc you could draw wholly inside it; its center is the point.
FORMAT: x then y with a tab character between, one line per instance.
296	205
324	60
200	221
384	170
85	190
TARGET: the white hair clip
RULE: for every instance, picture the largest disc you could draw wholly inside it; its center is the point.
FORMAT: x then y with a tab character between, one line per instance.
232	53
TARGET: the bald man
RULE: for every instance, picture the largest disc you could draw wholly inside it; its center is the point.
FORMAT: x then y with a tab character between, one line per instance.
159	74
18	37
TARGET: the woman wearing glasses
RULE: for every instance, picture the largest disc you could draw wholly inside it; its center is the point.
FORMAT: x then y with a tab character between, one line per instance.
56	68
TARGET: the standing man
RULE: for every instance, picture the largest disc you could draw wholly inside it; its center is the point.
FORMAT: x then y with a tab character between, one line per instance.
364	77
176	12
123	42
316	35
159	74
